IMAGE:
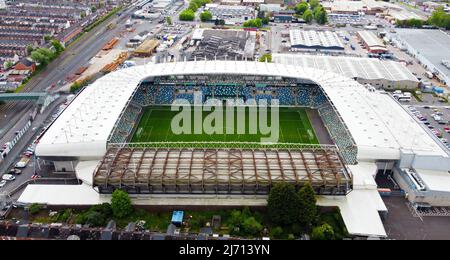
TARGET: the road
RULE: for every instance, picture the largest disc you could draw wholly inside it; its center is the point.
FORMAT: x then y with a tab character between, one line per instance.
14	114
67	64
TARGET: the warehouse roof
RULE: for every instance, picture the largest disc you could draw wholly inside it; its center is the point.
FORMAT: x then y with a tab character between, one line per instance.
315	39
371	39
352	67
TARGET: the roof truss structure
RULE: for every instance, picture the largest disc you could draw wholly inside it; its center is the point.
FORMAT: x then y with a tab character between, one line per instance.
220	171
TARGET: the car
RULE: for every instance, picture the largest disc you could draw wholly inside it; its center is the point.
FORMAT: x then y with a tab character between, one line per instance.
447	129
15	171
8	177
442	122
427	107
3	183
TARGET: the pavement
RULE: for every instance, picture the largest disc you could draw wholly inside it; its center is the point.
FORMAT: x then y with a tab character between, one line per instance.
400	223
40	121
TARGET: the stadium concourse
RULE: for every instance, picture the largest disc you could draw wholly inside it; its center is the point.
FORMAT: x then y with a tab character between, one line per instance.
371	132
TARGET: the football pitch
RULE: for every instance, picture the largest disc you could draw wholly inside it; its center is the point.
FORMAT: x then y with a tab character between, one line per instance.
155	126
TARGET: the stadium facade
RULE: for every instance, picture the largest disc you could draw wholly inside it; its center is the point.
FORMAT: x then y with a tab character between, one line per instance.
371	133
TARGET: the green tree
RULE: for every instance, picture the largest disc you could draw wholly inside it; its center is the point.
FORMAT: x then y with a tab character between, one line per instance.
266	58
30	49
283	204
301	8
307	204
47	38
34	208
121	204
314	3
251	227
93	9
193	6
187	15
440	18
8	64
253	23
276	233
42	56
58	46
169	20
320	15
323	232
206	16
307	16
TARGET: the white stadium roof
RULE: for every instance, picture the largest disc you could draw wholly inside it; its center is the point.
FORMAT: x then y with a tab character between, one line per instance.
352	67
379	125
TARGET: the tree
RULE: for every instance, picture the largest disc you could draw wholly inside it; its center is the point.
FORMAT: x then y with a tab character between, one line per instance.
314	3
320	15
301	8
205	16
42	56
307	16
323	232
251	226
187	15
34	208
8	64
58	46
276	233
30	49
440	18
169	20
266	58
193	6
121	204
283	204
307	204
47	38
93	9
254	23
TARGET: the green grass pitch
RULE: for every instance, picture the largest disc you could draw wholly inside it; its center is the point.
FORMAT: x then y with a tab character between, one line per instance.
155	126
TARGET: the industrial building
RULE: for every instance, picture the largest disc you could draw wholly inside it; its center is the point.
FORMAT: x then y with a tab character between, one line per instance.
428	46
223	44
232	14
380	74
147	48
315	40
371	42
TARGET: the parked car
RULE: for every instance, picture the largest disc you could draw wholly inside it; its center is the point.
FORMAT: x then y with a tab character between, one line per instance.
8	177
2	183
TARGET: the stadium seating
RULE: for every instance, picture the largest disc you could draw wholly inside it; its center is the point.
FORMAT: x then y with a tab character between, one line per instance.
165	95
304	97
338	132
286	96
225	91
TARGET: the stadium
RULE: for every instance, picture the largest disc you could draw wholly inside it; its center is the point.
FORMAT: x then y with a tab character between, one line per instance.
334	133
